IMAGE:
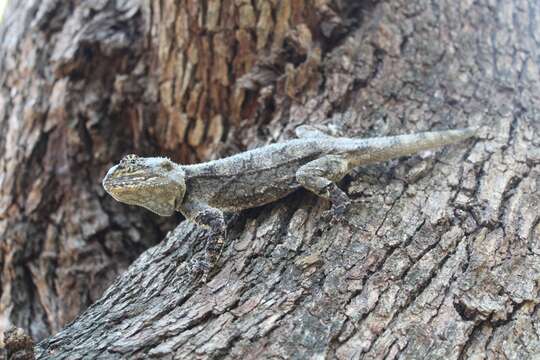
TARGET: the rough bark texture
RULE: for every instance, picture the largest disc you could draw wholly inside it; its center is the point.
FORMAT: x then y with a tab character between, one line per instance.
74	90
16	345
439	256
83	83
219	61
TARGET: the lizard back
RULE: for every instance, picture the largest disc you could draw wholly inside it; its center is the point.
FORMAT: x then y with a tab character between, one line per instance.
254	177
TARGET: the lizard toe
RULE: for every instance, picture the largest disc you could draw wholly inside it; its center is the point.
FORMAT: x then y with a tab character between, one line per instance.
336	213
200	267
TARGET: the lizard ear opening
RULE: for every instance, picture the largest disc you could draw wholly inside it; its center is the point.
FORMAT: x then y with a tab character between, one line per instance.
167	165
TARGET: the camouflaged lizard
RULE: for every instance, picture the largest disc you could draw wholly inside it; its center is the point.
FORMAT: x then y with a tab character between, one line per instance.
202	192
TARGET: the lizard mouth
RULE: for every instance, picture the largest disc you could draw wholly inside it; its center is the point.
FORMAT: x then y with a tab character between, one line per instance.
124	189
132	183
115	184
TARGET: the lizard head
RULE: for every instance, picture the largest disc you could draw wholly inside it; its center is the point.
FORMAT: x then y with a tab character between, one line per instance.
154	183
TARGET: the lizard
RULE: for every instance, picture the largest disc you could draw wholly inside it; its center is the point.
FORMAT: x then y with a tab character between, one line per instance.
202	192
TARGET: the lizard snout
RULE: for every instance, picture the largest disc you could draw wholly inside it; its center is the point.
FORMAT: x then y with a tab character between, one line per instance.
106	183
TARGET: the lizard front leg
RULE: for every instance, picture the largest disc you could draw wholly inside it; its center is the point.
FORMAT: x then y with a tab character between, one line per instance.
320	177
213	220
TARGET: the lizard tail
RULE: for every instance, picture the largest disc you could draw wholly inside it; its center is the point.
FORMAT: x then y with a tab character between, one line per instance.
386	148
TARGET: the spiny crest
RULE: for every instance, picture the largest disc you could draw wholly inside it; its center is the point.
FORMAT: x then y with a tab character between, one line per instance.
129	163
132	163
129	158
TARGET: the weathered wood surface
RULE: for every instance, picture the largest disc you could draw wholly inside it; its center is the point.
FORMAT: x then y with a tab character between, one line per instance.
439	256
73	93
83	83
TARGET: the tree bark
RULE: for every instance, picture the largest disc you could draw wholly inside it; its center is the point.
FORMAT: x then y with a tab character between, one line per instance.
76	92
83	83
439	256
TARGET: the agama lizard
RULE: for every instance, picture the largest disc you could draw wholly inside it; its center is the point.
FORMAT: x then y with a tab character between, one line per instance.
202	192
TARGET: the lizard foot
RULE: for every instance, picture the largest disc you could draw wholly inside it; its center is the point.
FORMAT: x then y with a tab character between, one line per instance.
337	212
200	267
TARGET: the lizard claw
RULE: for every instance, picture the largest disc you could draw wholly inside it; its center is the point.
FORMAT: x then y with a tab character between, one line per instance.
198	267
337	212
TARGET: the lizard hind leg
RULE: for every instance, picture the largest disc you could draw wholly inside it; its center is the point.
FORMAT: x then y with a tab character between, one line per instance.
320	177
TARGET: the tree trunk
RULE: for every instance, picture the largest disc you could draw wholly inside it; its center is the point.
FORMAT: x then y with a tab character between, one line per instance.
74	88
83	83
438	257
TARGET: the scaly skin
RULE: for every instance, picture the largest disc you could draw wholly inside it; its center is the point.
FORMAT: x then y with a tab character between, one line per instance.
202	192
